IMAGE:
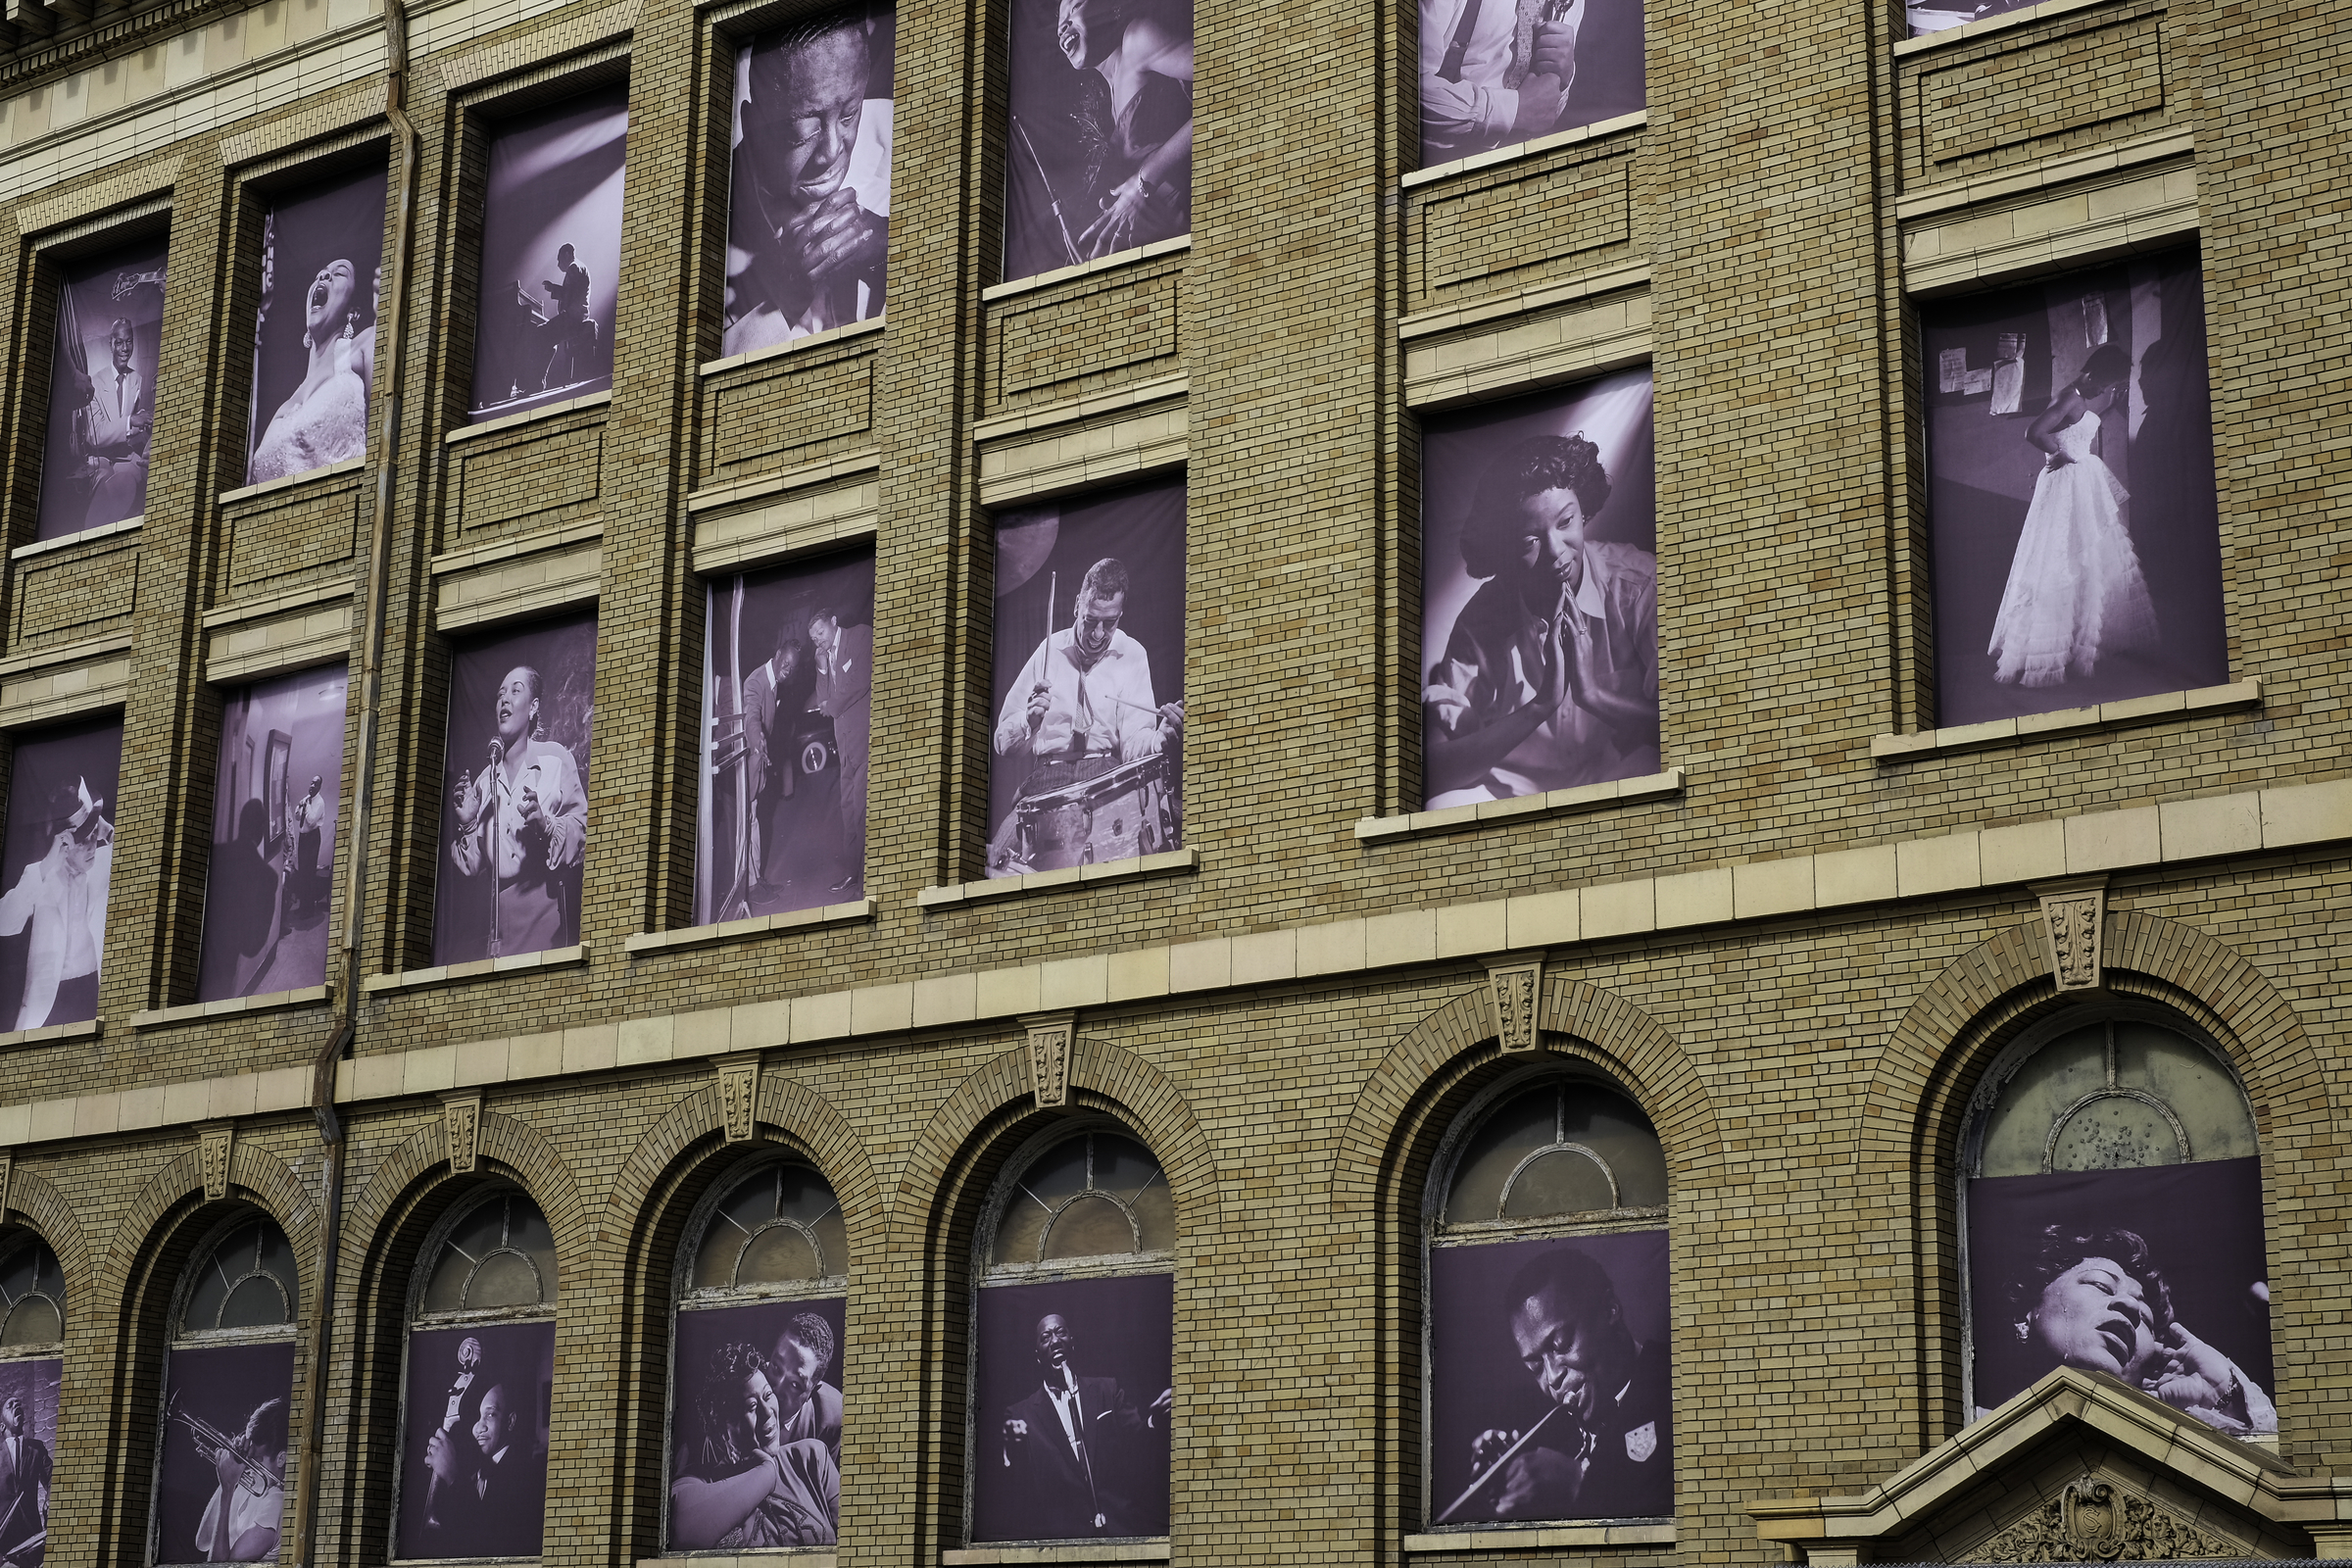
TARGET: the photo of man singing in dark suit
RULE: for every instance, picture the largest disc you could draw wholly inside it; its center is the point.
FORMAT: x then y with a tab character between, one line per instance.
1070	1450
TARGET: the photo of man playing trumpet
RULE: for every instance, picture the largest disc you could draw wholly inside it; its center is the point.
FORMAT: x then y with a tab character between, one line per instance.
1583	1428
222	1495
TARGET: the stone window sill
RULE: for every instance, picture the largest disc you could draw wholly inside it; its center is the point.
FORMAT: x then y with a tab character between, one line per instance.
272	486
1527	149
779	1557
508	421
704	936
228	1007
957	894
2125	715
42	547
1649	1533
1075	1552
480	970
1551	802
2024	17
1101	263
88	1029
814	340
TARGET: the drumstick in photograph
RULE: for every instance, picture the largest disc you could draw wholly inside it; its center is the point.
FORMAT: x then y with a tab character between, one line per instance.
1495	1469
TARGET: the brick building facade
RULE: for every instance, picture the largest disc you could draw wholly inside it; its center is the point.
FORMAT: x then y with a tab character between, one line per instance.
1799	947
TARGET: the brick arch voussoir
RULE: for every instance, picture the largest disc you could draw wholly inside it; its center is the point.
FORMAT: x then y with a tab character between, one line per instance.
514	1147
43	1209
1978	994
364	1219
261	1176
1102	1077
799	1115
1602	1027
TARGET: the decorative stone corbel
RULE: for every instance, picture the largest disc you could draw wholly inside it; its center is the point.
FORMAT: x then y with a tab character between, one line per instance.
2073	916
738	1096
1518	988
461	1129
212	1159
1050	1036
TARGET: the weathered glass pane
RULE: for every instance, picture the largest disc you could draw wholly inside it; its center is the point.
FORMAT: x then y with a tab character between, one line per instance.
1090	1227
1562	1181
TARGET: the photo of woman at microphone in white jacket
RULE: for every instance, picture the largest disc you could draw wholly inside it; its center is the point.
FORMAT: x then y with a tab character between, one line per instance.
517	823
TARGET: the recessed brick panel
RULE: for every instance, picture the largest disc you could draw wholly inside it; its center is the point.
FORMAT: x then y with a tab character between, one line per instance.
2042	91
500	482
1062	338
1516	226
294	532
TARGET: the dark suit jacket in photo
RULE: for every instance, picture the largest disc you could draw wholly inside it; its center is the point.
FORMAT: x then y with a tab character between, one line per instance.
1050	1496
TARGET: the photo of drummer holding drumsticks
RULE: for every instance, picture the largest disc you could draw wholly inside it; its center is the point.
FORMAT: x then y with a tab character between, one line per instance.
1603	1445
1082	703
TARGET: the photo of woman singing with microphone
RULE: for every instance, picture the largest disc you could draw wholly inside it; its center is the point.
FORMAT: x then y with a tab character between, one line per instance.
515	814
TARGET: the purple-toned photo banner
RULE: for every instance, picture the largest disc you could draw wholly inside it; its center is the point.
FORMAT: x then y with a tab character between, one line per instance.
1072	1404
515	807
2155	1276
314	337
1496	75
28	1394
56	860
473	1457
1539	600
221	1483
102	387
788	674
1517	1429
277	799
2070	495
1089	681
1099	157
551	255
758	1391
809	215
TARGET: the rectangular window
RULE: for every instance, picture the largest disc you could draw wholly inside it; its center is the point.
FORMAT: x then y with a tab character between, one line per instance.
1089	687
276	798
551	255
473	1470
514	816
313	338
1101	159
1495	73
809	219
56	860
2071	492
788	674
110	333
1540	601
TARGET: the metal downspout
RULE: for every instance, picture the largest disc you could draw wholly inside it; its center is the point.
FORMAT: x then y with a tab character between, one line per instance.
392	340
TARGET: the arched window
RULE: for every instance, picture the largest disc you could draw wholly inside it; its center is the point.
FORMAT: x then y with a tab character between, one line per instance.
756	1364
33	1332
479	1385
1073	1331
1550	1394
2111	1189
228	1383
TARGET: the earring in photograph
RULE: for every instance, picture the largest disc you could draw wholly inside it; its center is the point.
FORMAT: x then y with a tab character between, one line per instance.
351	326
2024	1330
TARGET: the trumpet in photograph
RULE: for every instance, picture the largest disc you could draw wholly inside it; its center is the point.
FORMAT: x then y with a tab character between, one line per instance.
211	1442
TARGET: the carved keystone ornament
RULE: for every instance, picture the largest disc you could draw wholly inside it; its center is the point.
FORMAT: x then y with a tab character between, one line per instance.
1049	1040
738	1096
461	1127
1518	990
2074	913
212	1159
2091	1522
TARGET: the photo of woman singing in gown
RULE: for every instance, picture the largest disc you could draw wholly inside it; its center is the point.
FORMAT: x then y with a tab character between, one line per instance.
2075	589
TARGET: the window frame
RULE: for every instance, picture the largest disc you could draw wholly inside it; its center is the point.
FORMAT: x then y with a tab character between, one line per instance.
685	1298
986	1275
2007	1063
177	1337
29	1239
1563	1073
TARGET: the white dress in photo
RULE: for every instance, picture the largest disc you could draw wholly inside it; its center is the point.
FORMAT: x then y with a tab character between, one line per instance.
2075	589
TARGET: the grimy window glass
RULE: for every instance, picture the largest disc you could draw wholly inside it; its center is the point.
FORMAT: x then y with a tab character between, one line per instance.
479	1385
1074	1342
220	1468
758	1366
1549	1378
2111	1191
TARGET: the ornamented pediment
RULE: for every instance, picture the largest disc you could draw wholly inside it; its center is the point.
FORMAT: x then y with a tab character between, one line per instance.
2080	1468
2090	1521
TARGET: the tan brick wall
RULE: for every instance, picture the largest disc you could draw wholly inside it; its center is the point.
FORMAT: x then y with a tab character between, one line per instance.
1808	1071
